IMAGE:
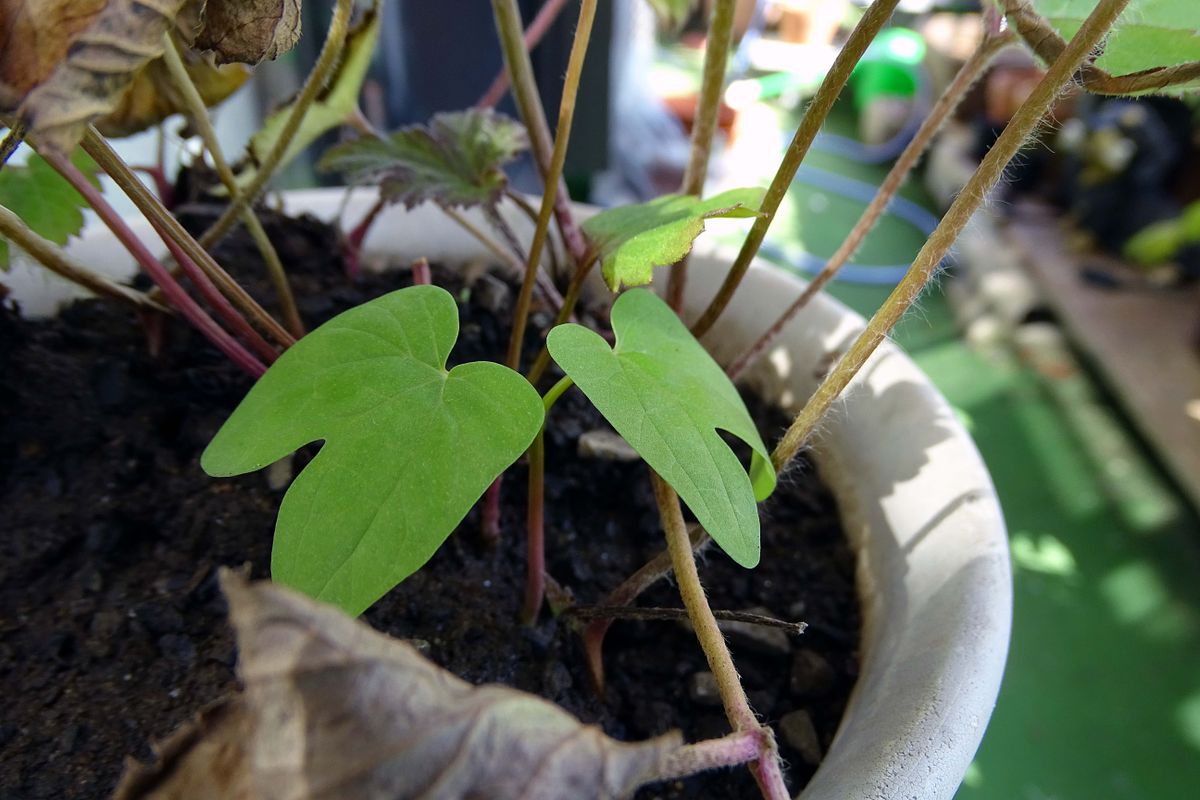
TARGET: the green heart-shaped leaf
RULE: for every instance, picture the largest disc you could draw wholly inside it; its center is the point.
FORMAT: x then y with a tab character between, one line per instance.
633	240
663	392
1149	34
409	447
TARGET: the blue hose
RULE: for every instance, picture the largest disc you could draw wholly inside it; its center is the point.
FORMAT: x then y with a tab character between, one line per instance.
860	191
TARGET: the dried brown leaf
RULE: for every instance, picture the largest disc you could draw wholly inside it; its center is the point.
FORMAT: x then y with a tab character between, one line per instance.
333	709
249	31
100	65
34	37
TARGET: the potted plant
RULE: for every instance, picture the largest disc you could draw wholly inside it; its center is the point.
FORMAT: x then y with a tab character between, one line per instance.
327	704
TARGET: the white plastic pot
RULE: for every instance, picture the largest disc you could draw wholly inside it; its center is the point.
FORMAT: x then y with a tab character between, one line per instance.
915	498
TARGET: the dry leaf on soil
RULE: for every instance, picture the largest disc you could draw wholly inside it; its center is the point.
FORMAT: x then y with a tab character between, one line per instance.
333	709
249	31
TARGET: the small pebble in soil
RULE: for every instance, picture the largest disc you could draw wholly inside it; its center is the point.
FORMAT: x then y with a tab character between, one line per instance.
811	674
799	732
606	446
702	688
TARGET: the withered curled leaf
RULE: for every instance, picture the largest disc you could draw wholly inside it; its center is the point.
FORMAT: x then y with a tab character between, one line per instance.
332	709
249	31
67	63
99	66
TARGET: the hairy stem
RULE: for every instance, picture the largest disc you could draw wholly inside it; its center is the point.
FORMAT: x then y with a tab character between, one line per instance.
11	141
708	104
529	106
327	60
949	100
731	750
157	272
198	113
1015	134
53	258
151	208
673	614
533	34
623	596
766	768
566	114
810	124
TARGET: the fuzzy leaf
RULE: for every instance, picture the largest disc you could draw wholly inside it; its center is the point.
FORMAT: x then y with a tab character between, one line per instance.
454	161
43	199
633	240
332	106
409	447
249	31
663	392
332	709
1149	34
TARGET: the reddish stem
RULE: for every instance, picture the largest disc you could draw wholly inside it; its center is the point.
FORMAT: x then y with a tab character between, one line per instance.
420	272
535	579
533	34
357	235
166	192
489	522
154	268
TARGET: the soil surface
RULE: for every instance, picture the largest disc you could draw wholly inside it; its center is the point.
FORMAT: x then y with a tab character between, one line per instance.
112	628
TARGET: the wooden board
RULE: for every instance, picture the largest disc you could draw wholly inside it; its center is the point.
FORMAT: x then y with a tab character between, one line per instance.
1141	340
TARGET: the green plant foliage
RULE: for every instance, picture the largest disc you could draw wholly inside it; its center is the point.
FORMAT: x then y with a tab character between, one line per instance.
664	393
673	13
454	161
633	240
43	199
330	109
409	447
1149	34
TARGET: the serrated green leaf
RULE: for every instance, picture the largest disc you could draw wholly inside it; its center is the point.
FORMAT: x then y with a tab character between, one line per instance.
663	392
43	199
409	447
455	161
1149	34
633	240
330	109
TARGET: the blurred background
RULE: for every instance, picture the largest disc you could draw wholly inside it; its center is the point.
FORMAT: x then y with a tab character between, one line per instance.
1065	329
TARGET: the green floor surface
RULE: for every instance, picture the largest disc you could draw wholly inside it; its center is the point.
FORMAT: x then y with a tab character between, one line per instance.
1101	697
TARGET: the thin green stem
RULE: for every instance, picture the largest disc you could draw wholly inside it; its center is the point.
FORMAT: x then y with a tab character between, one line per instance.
708	106
946	103
835	80
1016	133
533	34
53	258
16	134
198	113
766	767
529	106
570	300
327	60
151	207
566	115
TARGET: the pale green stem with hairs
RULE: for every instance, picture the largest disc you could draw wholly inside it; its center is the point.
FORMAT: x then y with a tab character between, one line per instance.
1016	133
198	113
327	60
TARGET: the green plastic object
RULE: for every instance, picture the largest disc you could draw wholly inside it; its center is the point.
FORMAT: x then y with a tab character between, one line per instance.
889	68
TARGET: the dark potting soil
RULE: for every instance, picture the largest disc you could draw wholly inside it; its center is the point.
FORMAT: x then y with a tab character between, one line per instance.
113	630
